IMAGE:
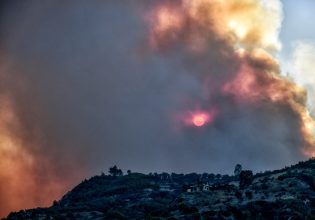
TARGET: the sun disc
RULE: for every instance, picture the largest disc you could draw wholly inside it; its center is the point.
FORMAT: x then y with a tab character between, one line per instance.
199	120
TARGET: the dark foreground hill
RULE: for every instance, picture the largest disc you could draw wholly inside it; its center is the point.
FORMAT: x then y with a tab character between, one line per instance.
282	194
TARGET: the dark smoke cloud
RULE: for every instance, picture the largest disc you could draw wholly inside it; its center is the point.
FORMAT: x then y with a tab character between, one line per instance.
87	93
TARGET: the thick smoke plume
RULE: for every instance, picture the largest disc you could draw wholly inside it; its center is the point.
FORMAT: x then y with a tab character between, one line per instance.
175	86
230	46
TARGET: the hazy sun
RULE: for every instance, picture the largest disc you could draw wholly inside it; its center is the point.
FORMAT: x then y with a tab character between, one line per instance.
199	120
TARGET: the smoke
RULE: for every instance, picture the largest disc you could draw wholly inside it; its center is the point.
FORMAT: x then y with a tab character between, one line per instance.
230	46
90	84
302	66
30	174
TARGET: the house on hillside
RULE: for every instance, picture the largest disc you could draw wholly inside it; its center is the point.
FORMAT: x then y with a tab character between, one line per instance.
166	187
206	187
194	188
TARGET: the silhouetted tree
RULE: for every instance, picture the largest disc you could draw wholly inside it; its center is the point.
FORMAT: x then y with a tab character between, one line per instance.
128	172
238	169
204	176
165	176
249	194
211	176
246	178
218	176
114	171
55	203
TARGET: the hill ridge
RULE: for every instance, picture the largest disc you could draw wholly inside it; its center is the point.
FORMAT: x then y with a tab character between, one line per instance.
287	193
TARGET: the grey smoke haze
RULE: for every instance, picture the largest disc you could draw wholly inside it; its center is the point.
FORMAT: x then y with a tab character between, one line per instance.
82	77
89	93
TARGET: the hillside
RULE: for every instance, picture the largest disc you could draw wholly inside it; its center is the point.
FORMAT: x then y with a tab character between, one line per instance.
288	193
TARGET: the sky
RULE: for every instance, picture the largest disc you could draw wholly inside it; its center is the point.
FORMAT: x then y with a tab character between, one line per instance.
298	40
297	24
149	86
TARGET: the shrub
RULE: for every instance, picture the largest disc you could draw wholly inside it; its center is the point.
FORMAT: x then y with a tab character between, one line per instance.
264	186
249	194
238	195
187	209
246	178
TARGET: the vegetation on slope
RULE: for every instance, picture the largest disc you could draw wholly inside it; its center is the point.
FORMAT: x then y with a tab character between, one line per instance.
288	193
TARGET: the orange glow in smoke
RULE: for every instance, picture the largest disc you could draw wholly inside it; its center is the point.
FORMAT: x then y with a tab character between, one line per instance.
168	19
250	28
19	168
199	120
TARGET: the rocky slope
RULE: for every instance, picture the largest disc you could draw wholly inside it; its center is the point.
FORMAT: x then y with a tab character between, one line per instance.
282	194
